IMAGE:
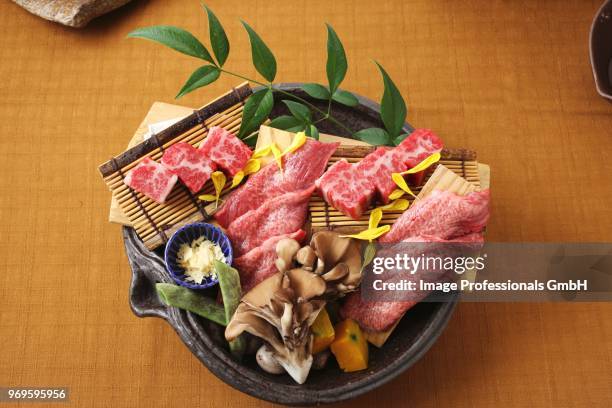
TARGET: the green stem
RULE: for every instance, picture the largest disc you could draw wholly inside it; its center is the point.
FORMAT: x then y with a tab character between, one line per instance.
325	115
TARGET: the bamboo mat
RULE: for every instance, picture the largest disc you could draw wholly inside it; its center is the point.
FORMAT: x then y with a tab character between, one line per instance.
155	223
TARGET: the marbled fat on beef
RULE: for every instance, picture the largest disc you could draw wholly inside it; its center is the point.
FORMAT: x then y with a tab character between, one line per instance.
278	216
259	263
442	214
300	170
343	188
226	150
191	166
151	179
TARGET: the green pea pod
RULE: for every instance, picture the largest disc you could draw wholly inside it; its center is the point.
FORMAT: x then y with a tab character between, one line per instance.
187	299
229	283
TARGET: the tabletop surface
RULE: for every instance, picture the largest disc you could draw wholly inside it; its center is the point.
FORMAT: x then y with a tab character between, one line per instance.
509	79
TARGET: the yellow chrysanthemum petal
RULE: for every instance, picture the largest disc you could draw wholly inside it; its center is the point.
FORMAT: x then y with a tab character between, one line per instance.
370	234
401	183
434	158
207	197
252	166
397	193
237	178
400	204
261	152
375	217
298	141
218	179
278	156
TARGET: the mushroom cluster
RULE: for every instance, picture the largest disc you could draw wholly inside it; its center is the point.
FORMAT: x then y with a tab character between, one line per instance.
281	309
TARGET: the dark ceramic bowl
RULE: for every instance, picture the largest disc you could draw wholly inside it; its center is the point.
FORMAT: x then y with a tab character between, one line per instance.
186	235
414	335
601	49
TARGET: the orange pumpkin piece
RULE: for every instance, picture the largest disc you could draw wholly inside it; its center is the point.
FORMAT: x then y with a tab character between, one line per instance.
322	331
350	346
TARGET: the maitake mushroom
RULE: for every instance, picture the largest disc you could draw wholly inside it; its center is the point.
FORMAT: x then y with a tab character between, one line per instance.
281	309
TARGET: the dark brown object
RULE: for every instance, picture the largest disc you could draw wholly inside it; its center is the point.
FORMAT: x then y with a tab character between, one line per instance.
601	49
411	339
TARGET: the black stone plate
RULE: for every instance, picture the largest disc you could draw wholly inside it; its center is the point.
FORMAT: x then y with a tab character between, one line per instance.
601	49
417	331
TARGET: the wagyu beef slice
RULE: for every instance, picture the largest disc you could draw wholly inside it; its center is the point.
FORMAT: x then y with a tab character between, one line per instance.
373	316
191	166
226	150
151	179
259	263
442	214
378	166
419	145
344	189
300	170
278	216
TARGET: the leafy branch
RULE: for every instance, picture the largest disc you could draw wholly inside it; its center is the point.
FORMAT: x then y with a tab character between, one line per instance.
259	105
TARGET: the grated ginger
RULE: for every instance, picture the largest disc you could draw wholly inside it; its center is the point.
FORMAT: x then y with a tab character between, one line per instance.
198	259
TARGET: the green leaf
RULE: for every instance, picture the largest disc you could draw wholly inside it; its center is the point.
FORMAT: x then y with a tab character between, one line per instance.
312	131
392	106
175	38
218	38
345	98
336	60
299	111
201	77
263	59
368	255
285	122
256	111
400	139
316	91
373	136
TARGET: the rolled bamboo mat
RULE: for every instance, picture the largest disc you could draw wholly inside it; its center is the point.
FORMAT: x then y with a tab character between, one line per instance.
154	222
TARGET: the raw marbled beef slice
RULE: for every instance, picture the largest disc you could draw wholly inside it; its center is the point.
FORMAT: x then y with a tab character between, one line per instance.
191	166
343	188
277	216
300	170
419	145
259	263
226	150
151	179
378	167
442	214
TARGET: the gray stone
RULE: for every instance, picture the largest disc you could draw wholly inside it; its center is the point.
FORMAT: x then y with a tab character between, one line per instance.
73	13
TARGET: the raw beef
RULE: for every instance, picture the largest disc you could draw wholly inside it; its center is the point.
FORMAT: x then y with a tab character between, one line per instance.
380	164
442	214
381	315
259	263
419	145
351	188
343	188
226	150
278	216
191	166
151	179
373	316
378	167
300	170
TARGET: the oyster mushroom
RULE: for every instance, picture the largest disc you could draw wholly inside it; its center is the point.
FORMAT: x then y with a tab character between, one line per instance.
280	311
338	261
286	250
